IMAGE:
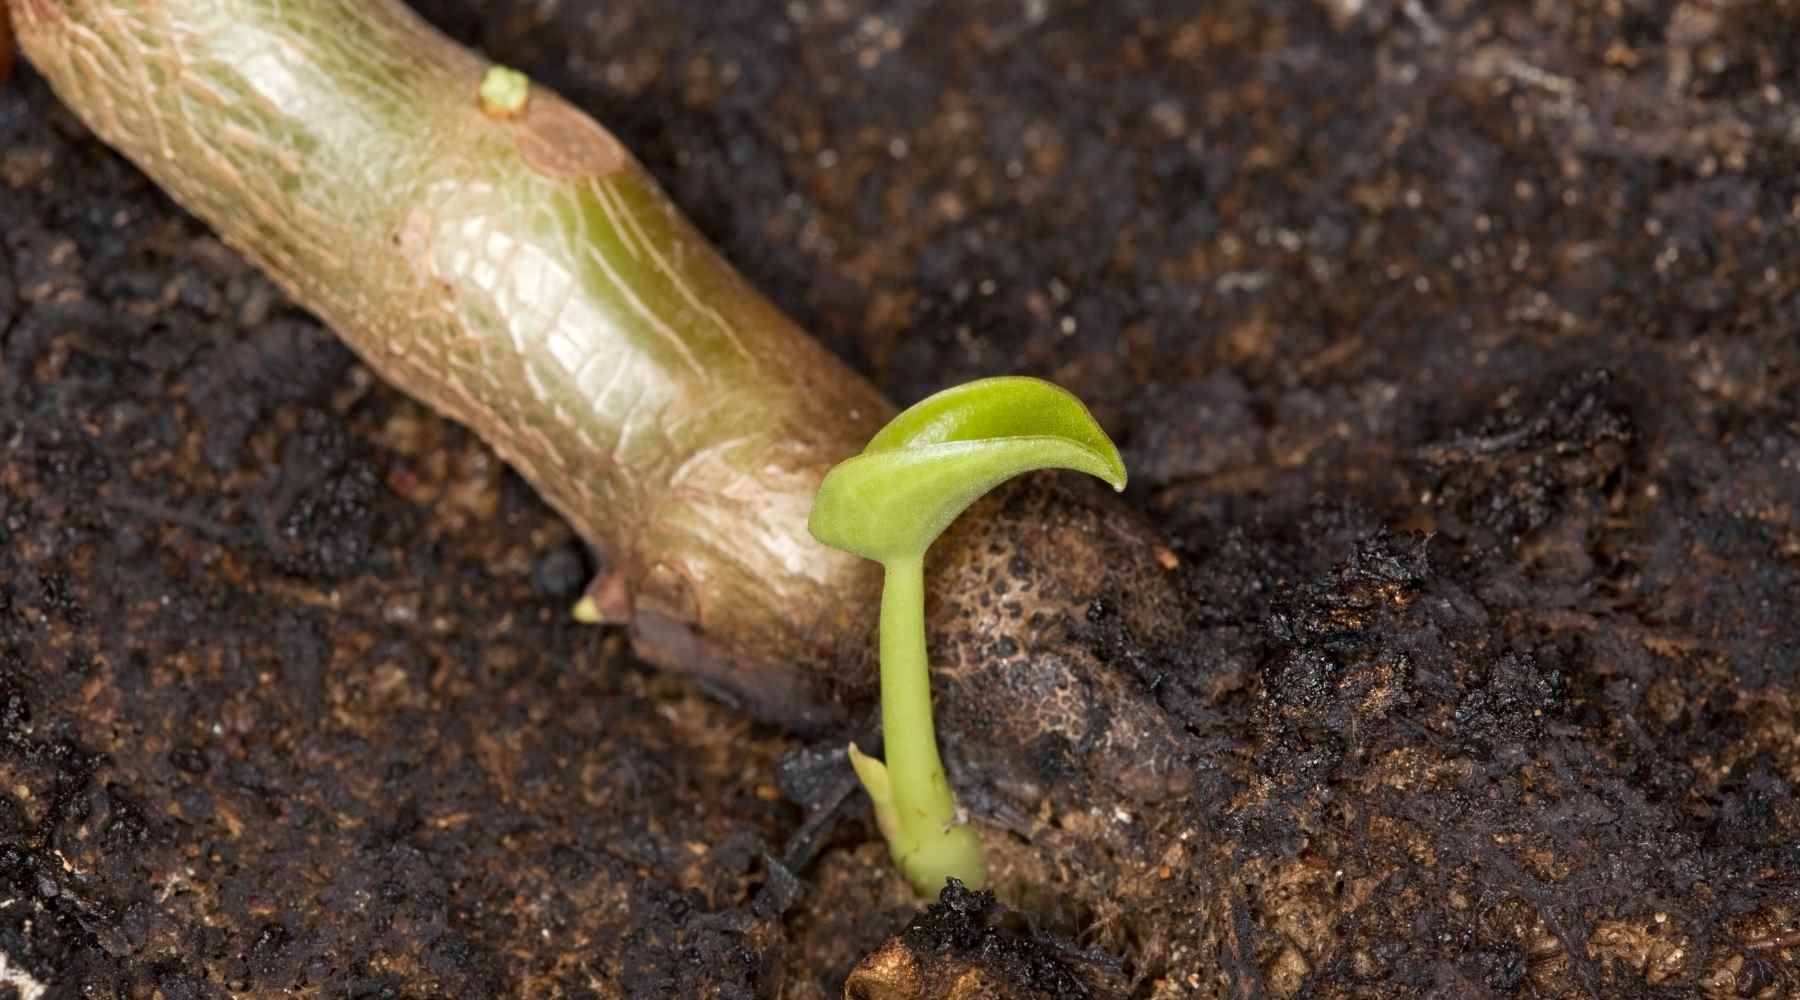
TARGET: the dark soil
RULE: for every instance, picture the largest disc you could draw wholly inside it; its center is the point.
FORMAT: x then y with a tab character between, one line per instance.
1454	348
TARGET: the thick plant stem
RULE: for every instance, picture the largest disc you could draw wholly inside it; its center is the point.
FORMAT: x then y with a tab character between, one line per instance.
523	274
928	842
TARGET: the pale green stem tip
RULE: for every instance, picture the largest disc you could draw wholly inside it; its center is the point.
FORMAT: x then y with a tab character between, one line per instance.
586	611
504	91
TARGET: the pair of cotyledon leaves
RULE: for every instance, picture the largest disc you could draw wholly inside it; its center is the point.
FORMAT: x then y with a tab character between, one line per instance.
940	455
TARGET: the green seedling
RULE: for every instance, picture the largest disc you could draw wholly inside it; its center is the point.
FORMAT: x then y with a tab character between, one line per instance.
889	504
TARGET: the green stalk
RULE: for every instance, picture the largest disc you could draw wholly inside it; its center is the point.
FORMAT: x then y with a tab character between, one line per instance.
906	696
931	845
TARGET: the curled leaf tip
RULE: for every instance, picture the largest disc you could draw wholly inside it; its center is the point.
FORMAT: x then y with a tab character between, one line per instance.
941	454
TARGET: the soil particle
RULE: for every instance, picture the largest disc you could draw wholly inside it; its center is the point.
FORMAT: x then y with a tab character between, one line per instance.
963	947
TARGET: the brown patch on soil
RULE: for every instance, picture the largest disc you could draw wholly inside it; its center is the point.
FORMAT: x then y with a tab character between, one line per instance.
7	49
960	948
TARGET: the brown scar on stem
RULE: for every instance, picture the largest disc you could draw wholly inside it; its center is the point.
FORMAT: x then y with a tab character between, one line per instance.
557	140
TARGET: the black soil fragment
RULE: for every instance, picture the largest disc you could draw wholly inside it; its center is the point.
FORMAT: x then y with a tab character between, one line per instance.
967	945
1455	350
963	925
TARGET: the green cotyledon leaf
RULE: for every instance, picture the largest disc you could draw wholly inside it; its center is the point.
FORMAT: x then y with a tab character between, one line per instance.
940	455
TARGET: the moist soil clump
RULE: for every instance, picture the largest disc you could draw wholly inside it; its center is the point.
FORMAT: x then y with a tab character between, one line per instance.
1457	360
